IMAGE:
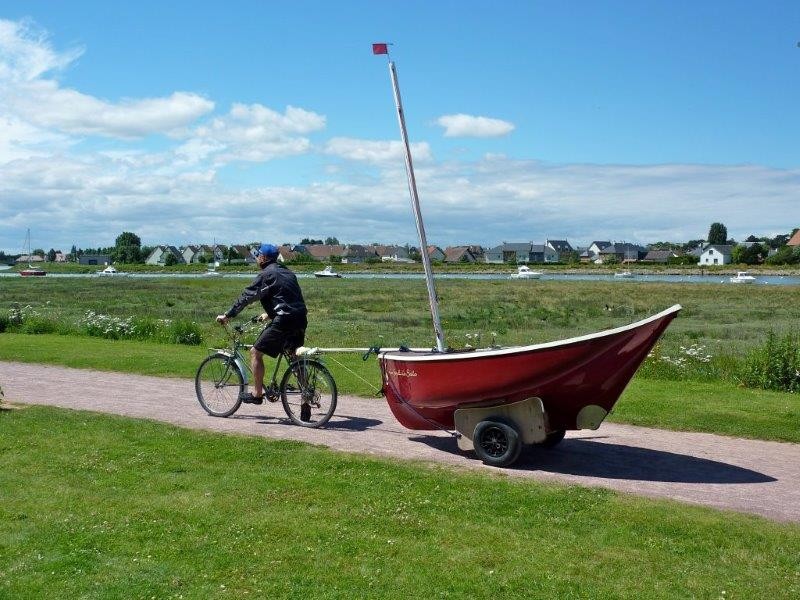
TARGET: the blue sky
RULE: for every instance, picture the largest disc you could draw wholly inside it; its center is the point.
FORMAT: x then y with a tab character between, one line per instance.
243	121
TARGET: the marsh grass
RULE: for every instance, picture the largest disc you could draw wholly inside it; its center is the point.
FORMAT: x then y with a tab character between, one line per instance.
727	321
147	510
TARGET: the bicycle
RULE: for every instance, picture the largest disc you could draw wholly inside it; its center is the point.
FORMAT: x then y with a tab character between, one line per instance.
307	389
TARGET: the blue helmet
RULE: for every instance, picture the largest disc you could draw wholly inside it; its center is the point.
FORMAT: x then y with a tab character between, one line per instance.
268	250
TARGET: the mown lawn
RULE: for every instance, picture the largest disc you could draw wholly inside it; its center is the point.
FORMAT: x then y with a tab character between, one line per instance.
104	507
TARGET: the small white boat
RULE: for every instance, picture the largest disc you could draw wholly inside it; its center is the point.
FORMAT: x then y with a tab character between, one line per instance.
212	270
624	275
326	272
742	277
110	271
523	272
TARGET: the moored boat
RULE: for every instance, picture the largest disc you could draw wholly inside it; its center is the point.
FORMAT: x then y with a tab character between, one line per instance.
111	271
524	272
326	272
31	271
742	277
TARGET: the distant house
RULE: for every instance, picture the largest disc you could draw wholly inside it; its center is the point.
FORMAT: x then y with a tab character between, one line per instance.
94	259
242	253
25	258
61	257
358	253
509	253
477	251
596	247
716	254
159	255
542	253
794	241
436	254
459	254
391	253
191	254
195	253
286	254
560	247
324	252
661	256
623	252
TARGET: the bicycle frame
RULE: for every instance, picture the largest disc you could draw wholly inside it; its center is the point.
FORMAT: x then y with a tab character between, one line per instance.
235	353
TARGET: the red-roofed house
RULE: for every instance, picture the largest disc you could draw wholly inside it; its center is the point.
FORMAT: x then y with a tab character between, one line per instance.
795	239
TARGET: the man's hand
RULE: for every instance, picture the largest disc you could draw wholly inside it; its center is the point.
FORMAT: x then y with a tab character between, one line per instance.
263	317
222	319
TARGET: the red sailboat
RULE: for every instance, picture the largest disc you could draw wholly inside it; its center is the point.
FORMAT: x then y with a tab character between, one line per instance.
500	399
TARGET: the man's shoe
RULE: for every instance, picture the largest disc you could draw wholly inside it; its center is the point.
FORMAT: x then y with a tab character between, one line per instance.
249	398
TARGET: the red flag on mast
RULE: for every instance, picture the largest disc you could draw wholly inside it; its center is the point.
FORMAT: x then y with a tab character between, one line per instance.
380	49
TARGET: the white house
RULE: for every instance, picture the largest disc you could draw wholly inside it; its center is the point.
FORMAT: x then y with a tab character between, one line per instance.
716	254
159	255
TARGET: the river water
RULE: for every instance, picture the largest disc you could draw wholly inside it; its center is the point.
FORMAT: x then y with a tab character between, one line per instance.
637	278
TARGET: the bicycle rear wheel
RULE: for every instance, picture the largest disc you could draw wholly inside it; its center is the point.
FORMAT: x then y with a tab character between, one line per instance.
218	384
308	393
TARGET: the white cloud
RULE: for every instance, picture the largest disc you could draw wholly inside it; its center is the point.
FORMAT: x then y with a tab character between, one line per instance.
46	104
26	57
252	133
26	54
484	202
462	125
376	152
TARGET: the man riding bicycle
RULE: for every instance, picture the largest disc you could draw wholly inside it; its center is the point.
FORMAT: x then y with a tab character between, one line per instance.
280	295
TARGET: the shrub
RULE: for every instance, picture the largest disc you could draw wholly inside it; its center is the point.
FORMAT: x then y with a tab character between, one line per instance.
775	365
37	324
104	326
185	332
689	363
5	323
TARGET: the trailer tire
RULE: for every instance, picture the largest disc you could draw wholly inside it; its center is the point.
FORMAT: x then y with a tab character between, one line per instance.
496	443
553	439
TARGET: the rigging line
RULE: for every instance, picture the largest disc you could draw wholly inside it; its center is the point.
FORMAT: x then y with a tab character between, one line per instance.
377	390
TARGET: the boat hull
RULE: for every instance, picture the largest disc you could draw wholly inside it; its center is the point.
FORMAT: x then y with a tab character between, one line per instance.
424	389
32	273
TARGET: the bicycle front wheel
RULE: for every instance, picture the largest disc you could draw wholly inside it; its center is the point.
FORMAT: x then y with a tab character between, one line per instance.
308	393
218	384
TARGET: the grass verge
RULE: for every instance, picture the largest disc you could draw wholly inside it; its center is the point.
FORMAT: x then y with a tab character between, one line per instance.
98	506
713	407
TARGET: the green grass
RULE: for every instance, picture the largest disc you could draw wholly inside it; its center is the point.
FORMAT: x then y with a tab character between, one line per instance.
104	507
712	407
352	312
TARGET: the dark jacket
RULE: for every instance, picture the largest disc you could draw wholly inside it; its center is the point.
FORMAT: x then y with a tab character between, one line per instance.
280	295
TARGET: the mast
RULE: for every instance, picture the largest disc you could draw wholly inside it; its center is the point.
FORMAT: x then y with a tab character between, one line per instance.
412	189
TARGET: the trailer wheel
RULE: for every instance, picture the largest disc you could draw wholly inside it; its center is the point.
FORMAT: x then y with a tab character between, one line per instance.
496	443
553	439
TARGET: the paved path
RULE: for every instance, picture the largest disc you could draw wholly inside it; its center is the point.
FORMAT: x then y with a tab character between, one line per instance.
756	477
